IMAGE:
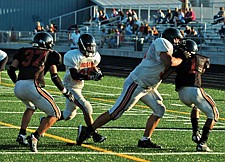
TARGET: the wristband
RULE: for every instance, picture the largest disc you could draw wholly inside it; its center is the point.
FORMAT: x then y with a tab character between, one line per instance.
64	90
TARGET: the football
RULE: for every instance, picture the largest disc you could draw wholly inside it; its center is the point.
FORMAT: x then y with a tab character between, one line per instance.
89	71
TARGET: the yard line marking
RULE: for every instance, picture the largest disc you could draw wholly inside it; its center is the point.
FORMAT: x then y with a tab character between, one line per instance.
83	145
127	153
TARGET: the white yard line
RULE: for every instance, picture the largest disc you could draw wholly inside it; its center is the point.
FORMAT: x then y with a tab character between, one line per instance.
127	153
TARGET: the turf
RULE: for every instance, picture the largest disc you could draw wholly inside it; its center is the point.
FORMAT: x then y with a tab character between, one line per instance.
173	132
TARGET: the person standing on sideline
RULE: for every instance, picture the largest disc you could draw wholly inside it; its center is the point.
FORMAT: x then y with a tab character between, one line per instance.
74	38
33	63
78	62
189	87
142	85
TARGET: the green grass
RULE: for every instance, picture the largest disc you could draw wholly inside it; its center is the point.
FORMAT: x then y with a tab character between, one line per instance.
173	132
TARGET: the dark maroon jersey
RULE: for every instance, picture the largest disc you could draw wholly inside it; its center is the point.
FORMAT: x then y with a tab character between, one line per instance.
189	72
35	62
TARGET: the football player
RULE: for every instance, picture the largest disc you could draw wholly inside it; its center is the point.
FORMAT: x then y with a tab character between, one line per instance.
33	63
142	85
189	87
81	64
3	61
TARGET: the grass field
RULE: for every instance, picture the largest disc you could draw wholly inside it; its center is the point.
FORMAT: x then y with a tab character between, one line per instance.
173	133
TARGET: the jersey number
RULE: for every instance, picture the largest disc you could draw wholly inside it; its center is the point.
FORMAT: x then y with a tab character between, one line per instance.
33	57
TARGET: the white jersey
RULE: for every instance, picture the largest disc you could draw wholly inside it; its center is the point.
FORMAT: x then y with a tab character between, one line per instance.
147	73
75	59
2	55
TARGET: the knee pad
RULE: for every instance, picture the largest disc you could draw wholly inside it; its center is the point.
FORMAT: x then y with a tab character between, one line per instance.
160	110
69	115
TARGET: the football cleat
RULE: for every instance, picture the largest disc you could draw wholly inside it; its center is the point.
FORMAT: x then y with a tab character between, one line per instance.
33	143
98	138
196	137
82	135
148	144
203	147
21	139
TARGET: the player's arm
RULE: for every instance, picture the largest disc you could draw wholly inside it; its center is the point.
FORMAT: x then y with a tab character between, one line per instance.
58	83
77	76
170	60
12	70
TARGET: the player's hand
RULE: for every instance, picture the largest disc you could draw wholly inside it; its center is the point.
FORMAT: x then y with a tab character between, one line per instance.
187	54
96	76
69	95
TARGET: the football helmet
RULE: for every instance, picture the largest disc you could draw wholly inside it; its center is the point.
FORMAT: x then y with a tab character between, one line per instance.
43	39
191	46
171	33
87	45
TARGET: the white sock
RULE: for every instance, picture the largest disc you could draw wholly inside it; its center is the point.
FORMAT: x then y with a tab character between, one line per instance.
144	138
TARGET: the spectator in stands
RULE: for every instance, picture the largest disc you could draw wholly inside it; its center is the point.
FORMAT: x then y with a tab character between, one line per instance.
74	39
38	27
147	30
96	16
155	32
121	14
220	15
136	24
159	17
51	29
114	13
187	31
190	16
222	29
193	33
175	15
180	19
186	12
168	17
103	17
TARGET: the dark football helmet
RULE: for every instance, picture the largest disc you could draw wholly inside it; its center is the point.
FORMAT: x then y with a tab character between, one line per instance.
191	46
87	45
171	33
43	39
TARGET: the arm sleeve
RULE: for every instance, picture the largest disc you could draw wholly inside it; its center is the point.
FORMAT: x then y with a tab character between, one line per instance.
12	73
57	81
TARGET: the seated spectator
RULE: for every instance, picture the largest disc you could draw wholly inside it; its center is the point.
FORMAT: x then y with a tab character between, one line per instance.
222	29
168	17
155	32
187	31
174	15
96	16
103	17
38	27
136	24
114	13
159	16
219	17
180	19
190	16
51	29
194	33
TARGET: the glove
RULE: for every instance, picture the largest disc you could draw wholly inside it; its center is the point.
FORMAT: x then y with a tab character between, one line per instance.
96	76
68	95
187	54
